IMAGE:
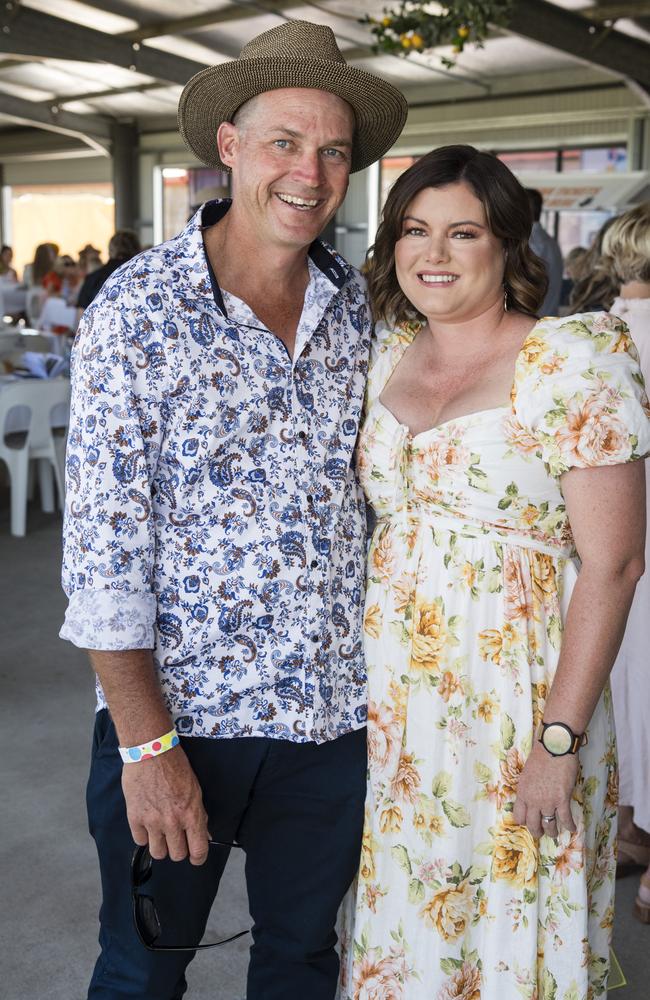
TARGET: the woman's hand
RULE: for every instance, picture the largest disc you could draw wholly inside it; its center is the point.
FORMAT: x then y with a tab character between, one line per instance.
545	788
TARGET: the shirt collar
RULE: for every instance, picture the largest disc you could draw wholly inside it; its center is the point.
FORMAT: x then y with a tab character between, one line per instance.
201	276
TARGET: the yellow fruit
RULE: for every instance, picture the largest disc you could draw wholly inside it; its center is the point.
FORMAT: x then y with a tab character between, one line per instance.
386	21
417	41
463	31
406	41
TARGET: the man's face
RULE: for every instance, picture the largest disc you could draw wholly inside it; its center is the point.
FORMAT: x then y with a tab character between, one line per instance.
290	158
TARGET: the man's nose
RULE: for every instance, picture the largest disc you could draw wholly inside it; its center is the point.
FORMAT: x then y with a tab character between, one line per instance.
309	169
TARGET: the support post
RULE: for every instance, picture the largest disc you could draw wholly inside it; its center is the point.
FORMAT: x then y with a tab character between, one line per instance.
124	151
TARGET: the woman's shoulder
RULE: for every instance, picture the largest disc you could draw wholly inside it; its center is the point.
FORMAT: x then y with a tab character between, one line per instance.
564	347
580	392
585	333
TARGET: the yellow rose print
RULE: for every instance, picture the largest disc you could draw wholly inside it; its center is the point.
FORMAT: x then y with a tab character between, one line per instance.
514	857
449	911
372	622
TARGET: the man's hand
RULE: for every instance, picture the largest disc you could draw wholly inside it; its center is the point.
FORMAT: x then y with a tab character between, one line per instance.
164	807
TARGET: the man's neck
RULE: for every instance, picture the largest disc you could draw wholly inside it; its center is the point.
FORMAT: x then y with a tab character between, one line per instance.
250	268
270	280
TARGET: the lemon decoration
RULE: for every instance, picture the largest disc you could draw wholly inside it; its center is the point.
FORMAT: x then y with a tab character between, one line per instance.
410	26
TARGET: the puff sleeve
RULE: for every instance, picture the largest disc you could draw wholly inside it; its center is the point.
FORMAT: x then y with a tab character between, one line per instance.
580	394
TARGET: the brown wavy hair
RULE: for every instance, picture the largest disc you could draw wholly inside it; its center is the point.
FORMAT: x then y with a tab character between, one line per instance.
508	216
595	285
626	245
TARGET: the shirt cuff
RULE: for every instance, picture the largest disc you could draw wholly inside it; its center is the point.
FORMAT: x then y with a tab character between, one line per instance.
109	619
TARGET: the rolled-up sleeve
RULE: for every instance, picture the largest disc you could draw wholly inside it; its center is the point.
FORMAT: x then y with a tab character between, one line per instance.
113	448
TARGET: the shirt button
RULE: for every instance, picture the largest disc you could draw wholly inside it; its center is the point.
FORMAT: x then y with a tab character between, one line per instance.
314	563
310	499
314	637
302	435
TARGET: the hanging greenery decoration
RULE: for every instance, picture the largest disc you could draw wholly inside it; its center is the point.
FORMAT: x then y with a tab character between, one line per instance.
419	25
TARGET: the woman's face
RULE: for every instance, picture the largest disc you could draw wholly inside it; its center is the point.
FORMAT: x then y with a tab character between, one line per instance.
448	263
6	256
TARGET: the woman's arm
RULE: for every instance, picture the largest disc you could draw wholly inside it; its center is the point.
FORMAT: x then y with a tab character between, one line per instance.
606	508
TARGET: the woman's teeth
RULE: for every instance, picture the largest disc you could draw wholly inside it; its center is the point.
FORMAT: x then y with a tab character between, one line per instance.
438	279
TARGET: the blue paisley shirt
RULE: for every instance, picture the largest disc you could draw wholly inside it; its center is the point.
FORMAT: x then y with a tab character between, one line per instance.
212	509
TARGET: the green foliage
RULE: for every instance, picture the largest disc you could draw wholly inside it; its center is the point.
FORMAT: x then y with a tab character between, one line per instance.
412	27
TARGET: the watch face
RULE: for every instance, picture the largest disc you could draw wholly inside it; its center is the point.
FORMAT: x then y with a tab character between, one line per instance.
557	739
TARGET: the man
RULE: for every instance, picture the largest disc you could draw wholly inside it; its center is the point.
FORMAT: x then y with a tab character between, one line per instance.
547	248
215	532
123	245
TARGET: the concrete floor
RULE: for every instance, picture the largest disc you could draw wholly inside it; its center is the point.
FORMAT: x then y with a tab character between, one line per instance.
48	869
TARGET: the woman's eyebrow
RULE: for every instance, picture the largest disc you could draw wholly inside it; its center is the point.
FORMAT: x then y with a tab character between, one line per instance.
462	222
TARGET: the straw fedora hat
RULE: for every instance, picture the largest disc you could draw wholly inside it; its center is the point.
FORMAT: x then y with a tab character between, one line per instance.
294	54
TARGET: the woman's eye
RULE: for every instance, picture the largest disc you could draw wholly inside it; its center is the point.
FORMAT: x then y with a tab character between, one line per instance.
464	234
413	231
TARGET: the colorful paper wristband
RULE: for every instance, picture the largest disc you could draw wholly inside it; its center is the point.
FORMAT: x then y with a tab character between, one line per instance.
131	755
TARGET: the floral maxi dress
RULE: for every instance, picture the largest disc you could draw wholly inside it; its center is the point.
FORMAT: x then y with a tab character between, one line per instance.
470	573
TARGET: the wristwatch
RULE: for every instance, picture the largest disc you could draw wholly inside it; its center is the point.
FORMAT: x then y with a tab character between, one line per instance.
558	739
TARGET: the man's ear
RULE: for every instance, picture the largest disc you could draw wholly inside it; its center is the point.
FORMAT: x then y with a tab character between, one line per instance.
227	142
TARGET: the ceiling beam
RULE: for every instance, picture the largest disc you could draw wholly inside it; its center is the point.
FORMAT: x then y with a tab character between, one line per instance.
91	129
28	32
92	95
570	32
612	11
179	26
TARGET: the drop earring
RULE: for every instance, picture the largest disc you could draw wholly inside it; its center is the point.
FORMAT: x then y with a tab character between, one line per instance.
505	299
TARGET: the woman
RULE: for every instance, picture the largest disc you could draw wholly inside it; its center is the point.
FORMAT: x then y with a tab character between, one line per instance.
45	257
6	270
594	286
495	449
627	253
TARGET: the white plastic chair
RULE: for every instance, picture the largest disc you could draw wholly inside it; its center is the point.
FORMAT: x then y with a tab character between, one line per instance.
39	443
56	312
35	298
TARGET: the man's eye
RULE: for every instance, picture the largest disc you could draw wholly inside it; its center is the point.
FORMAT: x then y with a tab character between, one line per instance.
281	143
334	154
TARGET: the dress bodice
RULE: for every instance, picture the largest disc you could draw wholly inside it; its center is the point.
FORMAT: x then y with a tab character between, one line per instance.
577	400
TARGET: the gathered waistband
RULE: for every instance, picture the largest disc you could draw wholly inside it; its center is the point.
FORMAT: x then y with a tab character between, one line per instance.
466	528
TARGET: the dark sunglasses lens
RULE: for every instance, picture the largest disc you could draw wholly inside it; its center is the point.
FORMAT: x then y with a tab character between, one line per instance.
146	920
141	866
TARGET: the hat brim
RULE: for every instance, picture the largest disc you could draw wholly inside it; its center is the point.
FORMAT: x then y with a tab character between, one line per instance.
214	95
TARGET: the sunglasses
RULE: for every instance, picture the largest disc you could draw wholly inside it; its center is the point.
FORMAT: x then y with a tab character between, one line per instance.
145	915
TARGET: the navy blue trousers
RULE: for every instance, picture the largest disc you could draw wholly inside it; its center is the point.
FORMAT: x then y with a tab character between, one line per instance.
297	811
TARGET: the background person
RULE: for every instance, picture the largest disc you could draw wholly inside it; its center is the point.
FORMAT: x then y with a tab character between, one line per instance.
90	259
496	449
123	245
45	257
594	285
7	272
626	249
547	248
571	267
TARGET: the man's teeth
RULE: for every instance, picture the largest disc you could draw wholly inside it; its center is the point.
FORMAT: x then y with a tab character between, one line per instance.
438	279
289	199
